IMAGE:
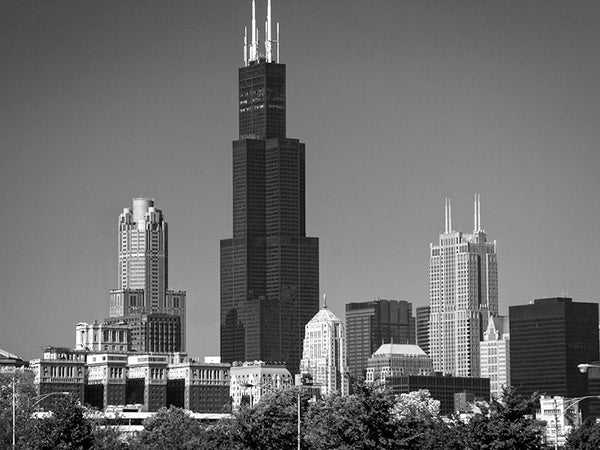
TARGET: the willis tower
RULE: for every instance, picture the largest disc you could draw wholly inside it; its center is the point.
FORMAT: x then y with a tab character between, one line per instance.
269	269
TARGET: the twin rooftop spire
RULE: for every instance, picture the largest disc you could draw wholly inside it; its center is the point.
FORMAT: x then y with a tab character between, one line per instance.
251	51
476	214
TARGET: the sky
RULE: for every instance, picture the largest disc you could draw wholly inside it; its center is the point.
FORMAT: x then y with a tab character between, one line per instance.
401	103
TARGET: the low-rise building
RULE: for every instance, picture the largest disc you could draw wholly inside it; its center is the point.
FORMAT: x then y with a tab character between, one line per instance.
200	386
102	337
442	387
561	415
251	380
59	370
393	360
147	381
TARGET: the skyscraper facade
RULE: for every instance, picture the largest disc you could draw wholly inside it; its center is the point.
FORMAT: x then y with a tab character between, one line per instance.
371	324
463	293
495	354
548	339
270	268
154	313
324	352
422	328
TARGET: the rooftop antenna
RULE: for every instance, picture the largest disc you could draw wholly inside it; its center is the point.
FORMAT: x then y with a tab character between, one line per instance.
268	34
475	226
253	47
277	42
478	212
449	215
324	301
245	46
446	216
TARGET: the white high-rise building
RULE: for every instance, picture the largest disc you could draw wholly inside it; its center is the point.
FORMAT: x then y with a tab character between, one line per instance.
143	267
463	293
495	354
324	352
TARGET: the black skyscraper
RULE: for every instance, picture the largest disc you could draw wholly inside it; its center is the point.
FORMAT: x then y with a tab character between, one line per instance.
548	339
371	324
269	269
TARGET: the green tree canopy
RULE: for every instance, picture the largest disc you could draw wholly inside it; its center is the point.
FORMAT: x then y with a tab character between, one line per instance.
171	428
586	437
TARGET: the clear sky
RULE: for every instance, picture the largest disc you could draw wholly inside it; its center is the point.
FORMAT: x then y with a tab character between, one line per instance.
400	104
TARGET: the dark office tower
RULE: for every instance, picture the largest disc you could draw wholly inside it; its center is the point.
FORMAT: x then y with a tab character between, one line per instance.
422	313
269	269
548	339
371	324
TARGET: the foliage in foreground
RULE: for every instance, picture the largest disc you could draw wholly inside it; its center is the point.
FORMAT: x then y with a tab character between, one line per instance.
370	418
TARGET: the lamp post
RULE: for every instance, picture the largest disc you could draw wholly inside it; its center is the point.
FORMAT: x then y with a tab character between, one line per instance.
583	368
45	396
566	405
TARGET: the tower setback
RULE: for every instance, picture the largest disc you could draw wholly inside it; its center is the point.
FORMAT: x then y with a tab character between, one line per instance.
269	268
154	314
463	293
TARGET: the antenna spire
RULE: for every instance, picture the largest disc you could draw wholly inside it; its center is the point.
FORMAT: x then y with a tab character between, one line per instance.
446	215
245	46
254	43
479	212
449	215
324	301
268	54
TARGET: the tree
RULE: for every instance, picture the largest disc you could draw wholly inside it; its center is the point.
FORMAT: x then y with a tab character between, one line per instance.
24	390
363	420
65	428
586	437
171	428
270	424
417	404
506	425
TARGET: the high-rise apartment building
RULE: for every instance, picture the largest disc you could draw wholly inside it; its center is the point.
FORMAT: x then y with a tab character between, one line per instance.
495	354
155	314
548	339
422	327
324	352
371	324
463	293
269	269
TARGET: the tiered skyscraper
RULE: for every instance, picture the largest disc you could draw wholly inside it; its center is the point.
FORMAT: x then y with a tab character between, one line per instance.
154	314
269	269
463	293
324	352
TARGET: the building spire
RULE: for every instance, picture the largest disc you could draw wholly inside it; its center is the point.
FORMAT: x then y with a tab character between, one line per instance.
251	50
324	301
446	215
268	54
477	214
448	211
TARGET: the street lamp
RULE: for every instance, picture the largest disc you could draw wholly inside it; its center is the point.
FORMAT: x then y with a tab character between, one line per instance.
583	368
566	406
43	397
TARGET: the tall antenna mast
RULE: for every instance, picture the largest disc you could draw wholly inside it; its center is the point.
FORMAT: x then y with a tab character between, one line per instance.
475	226
446	215
253	47
277	42
268	53
478	212
245	46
